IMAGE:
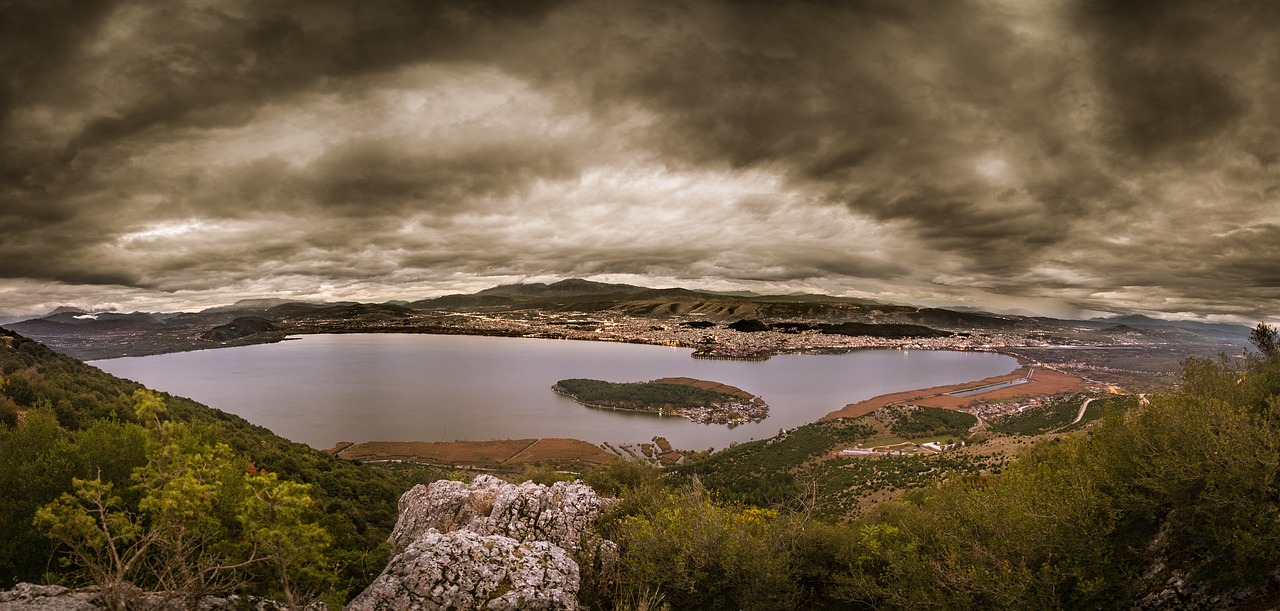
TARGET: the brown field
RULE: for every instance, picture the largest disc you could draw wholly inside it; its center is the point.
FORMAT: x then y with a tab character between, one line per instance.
707	385
507	451
559	449
448	452
1044	382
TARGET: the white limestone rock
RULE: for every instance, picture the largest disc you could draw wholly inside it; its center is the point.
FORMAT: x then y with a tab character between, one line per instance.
466	570
26	597
560	513
489	545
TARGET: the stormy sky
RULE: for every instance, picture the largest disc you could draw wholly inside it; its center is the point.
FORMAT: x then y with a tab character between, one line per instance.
1057	157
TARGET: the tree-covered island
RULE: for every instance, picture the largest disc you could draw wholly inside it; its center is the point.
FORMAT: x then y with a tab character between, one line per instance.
697	400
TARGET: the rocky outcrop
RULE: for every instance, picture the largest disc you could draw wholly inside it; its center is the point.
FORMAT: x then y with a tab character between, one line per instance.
489	545
26	596
30	597
1172	589
1177	593
465	570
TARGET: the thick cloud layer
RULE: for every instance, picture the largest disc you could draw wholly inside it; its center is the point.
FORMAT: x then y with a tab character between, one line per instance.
1063	156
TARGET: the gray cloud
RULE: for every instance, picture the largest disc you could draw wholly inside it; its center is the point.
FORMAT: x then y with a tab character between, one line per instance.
1101	154
1178	75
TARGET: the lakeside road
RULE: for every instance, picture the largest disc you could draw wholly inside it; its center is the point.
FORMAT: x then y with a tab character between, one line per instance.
1044	382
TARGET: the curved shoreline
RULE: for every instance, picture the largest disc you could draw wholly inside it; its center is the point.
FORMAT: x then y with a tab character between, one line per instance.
848	411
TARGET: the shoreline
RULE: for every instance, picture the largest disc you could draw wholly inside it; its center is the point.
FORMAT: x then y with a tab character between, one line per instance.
699	351
430	451
1041	381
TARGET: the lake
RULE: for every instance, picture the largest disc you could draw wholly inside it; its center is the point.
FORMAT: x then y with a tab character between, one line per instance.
320	389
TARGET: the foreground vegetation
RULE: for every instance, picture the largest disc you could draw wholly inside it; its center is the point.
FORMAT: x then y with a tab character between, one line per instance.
83	441
1184	489
1177	499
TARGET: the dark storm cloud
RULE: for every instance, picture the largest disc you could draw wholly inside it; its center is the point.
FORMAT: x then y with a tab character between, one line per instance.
1233	262
877	106
36	38
175	73
363	175
1086	151
889	111
207	67
374	178
1171	70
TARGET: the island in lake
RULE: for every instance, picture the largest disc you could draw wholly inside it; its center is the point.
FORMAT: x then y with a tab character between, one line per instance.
701	401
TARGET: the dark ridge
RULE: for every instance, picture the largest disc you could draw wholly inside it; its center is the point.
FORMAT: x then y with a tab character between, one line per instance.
950	318
750	325
792	327
462	301
572	286
238	328
361	311
890	331
294	309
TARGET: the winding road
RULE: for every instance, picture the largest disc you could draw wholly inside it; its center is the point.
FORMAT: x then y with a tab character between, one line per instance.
1083	406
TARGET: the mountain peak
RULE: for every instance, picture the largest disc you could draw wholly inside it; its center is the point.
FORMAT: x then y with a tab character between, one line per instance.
259	304
567	287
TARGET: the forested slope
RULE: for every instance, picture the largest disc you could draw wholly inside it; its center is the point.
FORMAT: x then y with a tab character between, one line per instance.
78	422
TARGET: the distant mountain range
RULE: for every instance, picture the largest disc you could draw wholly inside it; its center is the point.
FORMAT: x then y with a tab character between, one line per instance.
588	296
76	331
1207	329
564	288
252	305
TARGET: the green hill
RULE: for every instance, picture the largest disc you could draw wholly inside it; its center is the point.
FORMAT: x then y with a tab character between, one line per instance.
77	422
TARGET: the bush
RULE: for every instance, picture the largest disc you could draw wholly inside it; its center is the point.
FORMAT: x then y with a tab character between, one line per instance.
703	556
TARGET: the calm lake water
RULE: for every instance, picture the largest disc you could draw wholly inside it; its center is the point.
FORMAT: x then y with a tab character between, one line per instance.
320	389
